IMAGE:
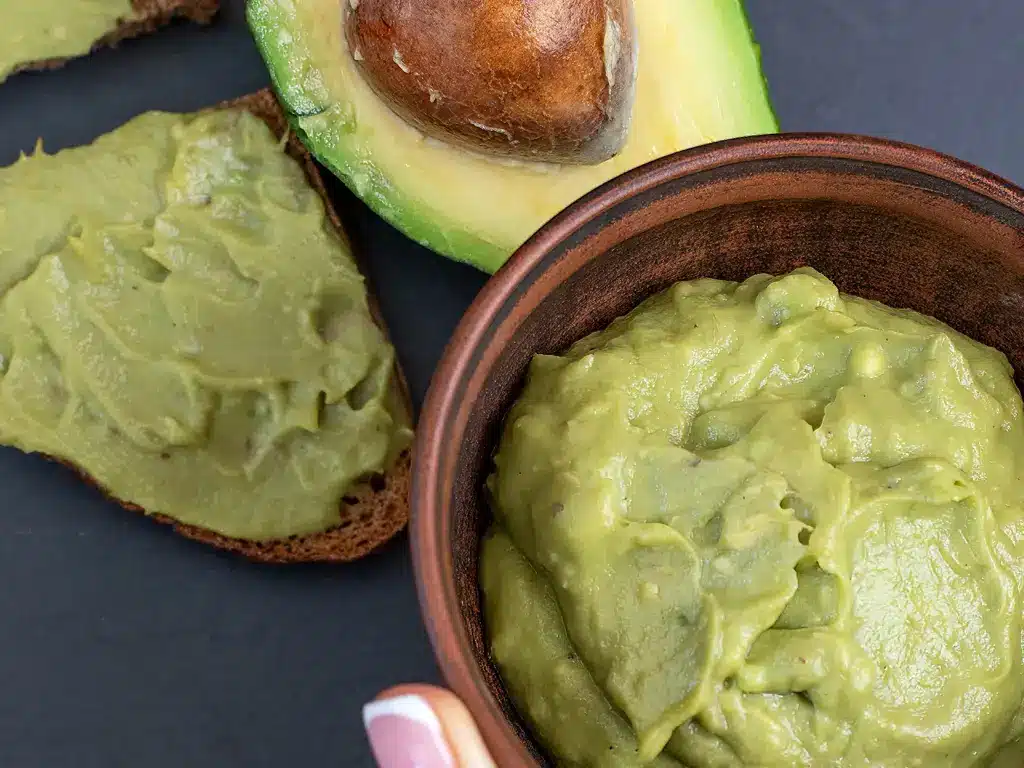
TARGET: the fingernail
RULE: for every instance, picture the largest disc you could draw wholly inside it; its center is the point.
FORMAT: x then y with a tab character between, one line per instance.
404	732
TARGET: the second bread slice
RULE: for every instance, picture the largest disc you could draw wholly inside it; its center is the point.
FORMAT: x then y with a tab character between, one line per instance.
146	16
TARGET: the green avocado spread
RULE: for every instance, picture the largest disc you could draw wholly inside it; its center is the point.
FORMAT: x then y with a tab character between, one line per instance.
37	30
763	524
180	320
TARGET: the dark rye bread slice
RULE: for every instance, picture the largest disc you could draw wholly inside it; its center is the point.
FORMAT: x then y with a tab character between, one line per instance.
373	511
147	16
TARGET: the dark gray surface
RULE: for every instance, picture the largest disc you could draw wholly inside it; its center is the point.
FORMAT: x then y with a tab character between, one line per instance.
122	645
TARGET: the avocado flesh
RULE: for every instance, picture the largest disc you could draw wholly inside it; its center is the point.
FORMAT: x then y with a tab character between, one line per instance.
698	80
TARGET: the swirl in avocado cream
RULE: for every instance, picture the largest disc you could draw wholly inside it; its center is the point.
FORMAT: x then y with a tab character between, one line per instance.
763	524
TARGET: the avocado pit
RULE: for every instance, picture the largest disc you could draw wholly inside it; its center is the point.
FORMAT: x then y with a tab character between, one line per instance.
543	80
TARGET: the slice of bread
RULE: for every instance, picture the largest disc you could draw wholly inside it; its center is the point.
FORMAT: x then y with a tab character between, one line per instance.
147	16
371	512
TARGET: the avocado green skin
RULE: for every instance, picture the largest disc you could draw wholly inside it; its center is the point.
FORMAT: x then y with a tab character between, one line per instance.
766	92
331	136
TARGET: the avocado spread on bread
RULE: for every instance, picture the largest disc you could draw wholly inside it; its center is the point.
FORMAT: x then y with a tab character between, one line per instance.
34	30
42	34
180	322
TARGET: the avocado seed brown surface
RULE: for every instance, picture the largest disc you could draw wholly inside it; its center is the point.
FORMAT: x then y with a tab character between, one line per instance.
547	80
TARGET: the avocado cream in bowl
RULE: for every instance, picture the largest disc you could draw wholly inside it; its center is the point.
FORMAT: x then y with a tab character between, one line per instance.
762	523
722	470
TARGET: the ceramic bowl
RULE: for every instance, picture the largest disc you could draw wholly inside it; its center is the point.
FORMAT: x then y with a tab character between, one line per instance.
886	221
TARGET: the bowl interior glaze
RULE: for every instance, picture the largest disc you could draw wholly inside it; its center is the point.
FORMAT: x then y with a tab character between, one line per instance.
899	224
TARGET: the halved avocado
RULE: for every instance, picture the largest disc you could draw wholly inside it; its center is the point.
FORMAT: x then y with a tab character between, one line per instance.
698	80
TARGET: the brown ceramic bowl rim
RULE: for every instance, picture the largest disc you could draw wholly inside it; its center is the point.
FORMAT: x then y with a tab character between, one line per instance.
429	531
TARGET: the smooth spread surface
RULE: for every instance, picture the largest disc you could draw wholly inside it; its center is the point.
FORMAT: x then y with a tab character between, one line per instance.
698	80
763	525
36	30
179	320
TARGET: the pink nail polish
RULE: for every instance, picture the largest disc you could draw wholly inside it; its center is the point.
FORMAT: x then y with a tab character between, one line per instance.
404	732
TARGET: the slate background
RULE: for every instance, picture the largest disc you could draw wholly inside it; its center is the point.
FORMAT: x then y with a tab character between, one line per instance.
121	645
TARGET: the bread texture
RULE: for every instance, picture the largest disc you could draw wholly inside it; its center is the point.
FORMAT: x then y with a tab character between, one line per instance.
148	16
373	511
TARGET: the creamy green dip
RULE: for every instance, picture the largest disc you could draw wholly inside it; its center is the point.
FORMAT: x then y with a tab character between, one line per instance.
36	30
179	319
763	524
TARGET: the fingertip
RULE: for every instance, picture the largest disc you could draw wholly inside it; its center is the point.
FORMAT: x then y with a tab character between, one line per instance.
421	711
